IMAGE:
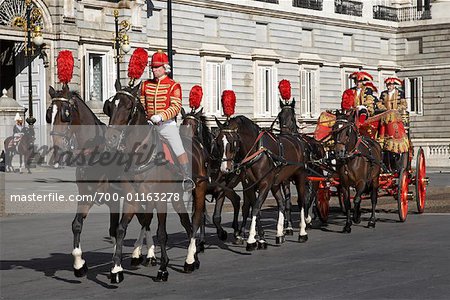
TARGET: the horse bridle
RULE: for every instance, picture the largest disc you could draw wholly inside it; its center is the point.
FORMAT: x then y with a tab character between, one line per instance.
64	135
235	147
352	126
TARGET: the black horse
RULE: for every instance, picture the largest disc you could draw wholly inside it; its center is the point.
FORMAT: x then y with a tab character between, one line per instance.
147	177
24	148
266	162
358	163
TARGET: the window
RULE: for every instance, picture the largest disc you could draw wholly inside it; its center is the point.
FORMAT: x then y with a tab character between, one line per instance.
413	95
211	26
384	46
414	46
261	32
217	78
307	37
347	43
346	81
99	74
309	92
266	91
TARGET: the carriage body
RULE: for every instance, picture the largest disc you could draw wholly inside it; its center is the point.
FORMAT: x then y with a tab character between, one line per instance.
393	184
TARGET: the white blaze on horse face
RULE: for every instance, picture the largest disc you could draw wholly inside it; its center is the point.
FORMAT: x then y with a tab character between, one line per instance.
190	259
78	261
223	165
251	235
280	225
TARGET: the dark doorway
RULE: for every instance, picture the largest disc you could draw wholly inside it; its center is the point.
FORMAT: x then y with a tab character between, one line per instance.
7	67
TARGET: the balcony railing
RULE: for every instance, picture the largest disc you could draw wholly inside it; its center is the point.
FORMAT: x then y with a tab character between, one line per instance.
347	7
269	1
309	4
400	14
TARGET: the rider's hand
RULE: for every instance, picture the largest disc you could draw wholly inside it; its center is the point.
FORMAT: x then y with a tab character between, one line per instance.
156	119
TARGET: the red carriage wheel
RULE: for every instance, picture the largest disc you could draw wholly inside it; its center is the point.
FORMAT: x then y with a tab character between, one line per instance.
323	204
402	195
421	181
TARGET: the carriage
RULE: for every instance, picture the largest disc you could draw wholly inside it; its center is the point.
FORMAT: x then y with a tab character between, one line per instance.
395	183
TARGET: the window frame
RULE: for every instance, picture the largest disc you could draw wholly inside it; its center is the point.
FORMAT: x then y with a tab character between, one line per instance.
419	103
309	107
270	88
225	83
108	70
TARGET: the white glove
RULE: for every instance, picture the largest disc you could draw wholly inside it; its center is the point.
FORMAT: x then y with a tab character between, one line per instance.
156	119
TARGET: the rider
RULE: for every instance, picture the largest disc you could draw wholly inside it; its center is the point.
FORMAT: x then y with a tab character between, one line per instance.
392	132
161	98
18	129
361	96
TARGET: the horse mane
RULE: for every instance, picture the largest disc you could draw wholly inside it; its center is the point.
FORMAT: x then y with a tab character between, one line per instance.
77	96
245	122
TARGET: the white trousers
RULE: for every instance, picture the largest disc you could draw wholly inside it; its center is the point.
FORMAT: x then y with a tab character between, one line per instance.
170	132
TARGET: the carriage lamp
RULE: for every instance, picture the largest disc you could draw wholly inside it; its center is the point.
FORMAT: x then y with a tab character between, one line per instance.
31	24
121	40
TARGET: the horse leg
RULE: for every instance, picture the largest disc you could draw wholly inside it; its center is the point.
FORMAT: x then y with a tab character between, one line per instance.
117	271
198	219
136	256
300	185
347	204
217	216
310	198
357	208
256	214
373	198
235	200
289	230
192	261
79	265
276	191
162	274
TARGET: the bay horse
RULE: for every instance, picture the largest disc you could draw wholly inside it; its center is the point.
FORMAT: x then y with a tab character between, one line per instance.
358	163
266	162
219	186
71	119
314	151
24	149
149	177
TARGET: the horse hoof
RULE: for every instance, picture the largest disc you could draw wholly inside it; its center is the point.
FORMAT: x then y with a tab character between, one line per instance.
251	246
201	247
189	268
262	245
162	276
136	261
302	238
117	277
356	220
289	231
347	229
279	240
81	272
239	240
223	235
150	261
371	224
309	225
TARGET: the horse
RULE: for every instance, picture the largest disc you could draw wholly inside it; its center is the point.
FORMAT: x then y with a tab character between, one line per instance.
24	148
358	164
194	125
266	162
314	151
69	117
129	111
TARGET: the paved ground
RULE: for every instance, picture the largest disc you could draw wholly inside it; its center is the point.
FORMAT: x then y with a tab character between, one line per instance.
395	260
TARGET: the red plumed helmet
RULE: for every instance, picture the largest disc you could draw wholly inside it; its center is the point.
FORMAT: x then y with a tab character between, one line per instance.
393	80
228	102
285	89
159	58
64	64
195	97
138	62
354	75
348	99
364	76
371	86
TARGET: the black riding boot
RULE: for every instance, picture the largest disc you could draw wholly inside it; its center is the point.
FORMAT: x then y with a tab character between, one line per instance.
188	183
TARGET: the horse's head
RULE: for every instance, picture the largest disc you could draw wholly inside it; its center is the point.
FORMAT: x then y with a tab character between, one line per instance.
286	117
60	114
227	143
191	122
344	133
123	109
